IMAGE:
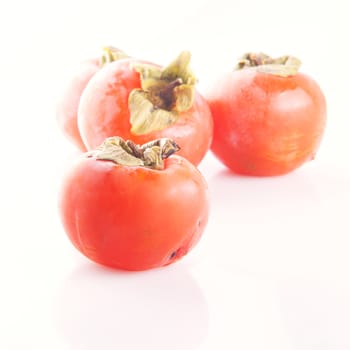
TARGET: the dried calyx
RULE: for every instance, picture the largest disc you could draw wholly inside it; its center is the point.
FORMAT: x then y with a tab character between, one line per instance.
164	93
150	154
283	66
111	54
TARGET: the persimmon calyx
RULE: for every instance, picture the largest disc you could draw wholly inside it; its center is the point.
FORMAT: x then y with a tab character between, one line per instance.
164	94
127	153
111	54
283	66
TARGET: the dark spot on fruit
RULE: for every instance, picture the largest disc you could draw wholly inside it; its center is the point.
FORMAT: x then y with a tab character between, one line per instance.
173	254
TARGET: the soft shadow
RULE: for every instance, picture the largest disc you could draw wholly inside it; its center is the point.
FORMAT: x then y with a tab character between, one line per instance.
98	308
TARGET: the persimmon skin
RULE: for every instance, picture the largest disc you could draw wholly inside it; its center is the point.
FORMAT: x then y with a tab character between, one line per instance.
265	124
133	218
68	104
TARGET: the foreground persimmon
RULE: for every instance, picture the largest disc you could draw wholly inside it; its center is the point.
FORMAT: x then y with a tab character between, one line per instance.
134	207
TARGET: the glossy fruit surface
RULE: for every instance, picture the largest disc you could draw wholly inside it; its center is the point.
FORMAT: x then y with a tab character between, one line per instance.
133	217
68	104
266	123
124	99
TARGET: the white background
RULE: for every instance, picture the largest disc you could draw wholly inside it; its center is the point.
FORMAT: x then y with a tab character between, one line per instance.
272	269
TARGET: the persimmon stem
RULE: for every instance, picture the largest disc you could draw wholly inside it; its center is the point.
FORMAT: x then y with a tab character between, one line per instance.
111	54
164	94
150	154
283	66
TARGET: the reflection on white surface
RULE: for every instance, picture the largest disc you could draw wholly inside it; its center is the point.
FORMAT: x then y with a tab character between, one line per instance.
99	308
